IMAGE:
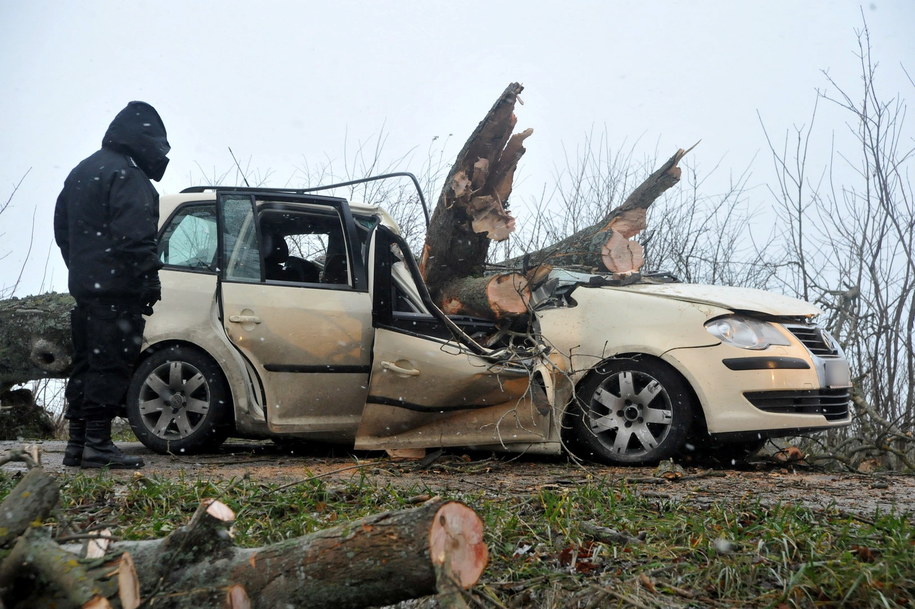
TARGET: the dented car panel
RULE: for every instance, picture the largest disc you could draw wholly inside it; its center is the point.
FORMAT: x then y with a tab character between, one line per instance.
729	297
427	392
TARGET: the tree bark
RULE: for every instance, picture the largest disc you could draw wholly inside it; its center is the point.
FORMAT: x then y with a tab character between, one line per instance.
64	581
472	207
31	500
35	338
377	560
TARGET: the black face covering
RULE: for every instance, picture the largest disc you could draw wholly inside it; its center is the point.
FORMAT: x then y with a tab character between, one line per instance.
157	169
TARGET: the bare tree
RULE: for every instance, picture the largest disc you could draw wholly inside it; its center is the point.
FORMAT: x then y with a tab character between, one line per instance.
849	235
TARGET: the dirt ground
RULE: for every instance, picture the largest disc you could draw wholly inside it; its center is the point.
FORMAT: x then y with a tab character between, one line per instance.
456	471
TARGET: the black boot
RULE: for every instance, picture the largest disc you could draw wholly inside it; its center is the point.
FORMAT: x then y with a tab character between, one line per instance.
100	451
73	454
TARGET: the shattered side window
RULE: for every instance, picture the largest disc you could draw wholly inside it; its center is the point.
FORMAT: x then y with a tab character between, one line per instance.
189	241
242	252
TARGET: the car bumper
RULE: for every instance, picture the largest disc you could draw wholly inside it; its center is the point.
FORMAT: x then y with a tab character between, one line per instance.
776	391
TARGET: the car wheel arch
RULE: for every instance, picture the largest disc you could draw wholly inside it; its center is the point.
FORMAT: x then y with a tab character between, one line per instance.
587	380
193	360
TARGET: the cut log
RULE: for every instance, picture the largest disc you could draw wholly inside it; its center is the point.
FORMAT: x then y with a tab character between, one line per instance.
472	208
378	560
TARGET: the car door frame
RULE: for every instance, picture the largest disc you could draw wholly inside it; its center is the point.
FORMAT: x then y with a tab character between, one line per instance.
320	427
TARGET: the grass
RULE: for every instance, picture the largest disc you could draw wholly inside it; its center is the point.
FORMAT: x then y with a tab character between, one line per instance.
744	553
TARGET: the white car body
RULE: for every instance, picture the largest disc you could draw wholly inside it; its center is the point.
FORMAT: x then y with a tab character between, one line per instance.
364	358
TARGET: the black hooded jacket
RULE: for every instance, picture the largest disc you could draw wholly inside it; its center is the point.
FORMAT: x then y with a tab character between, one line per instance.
107	214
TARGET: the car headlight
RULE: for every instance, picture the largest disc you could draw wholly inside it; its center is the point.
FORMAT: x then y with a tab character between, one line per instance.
745	332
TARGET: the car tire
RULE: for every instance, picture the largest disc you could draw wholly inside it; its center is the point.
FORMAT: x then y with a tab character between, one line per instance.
179	402
631	411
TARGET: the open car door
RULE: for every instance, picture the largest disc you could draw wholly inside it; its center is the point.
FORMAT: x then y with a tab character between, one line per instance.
428	389
304	328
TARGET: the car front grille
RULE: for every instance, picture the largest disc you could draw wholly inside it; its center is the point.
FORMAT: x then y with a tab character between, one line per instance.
831	403
814	338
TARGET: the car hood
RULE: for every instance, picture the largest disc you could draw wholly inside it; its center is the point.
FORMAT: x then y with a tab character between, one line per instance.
736	299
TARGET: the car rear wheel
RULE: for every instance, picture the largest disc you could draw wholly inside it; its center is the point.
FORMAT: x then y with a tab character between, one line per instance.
630	411
178	402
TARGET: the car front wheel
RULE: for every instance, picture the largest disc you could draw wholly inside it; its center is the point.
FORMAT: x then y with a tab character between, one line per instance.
178	402
630	411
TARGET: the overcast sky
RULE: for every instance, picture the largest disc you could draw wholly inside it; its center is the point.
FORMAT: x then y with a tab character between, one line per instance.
286	84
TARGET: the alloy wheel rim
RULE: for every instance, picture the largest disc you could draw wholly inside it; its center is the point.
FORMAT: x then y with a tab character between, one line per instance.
174	400
630	413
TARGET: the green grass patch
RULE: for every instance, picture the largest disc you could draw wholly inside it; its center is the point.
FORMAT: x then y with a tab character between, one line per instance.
690	553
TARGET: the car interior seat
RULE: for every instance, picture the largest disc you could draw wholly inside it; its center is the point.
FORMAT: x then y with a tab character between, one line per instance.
279	265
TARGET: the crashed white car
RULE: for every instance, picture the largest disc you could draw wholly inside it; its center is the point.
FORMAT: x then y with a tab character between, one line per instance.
288	314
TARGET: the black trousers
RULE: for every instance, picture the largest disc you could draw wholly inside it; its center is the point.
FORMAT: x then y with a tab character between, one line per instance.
106	344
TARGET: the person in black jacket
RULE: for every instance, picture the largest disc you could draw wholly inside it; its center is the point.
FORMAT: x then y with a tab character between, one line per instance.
105	223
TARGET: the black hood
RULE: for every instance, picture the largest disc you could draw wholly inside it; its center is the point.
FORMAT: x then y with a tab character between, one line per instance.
138	131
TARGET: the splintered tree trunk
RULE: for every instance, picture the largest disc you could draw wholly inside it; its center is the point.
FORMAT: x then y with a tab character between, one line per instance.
607	245
472	211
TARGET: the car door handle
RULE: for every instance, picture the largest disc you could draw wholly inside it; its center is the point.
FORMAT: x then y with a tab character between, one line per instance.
244	319
398	370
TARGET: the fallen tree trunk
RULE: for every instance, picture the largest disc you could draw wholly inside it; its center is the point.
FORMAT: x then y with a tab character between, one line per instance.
377	560
35	338
606	245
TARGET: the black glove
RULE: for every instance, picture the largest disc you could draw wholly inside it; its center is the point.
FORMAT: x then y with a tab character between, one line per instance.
151	292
